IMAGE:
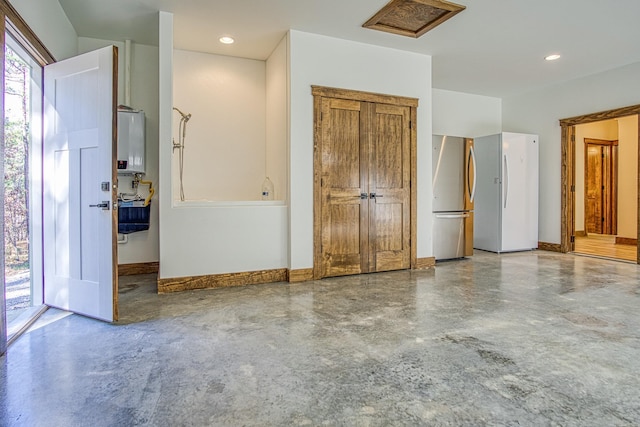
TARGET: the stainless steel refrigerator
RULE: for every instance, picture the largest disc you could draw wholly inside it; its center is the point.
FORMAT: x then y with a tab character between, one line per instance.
454	184
506	211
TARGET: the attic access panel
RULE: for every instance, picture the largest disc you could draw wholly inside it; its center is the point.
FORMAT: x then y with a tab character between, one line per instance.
412	18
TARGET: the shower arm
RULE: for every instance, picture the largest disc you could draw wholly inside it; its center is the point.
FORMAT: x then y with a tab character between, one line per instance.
182	129
185	117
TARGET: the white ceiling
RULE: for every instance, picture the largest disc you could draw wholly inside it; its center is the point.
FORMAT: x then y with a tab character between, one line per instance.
494	47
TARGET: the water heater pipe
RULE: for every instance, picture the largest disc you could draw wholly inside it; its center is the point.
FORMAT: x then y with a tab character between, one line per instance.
127	73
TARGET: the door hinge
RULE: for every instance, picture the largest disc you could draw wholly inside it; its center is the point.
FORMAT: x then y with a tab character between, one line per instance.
573	239
410	124
573	188
573	138
603	219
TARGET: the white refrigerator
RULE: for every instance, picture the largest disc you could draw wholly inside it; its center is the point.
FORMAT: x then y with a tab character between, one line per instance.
506	202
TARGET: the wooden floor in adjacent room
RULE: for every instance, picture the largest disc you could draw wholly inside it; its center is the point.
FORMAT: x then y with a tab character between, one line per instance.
605	246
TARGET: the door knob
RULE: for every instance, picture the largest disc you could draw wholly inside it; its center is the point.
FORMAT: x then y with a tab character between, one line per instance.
104	205
375	196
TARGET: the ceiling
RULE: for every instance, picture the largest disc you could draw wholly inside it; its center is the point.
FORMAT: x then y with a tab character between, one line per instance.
494	47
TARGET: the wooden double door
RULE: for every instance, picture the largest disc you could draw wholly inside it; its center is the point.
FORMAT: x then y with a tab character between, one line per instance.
364	165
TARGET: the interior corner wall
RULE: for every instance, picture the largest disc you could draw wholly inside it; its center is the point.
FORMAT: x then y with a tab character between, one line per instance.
607	130
465	115
628	177
141	246
277	135
325	61
47	19
165	113
539	112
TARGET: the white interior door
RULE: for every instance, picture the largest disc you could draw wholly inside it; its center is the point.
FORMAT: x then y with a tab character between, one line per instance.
80	270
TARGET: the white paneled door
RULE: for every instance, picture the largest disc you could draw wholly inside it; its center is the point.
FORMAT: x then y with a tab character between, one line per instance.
80	258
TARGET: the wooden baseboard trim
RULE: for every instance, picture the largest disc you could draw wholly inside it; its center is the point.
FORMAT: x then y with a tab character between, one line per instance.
580	233
139	268
551	247
176	284
424	263
301	275
626	241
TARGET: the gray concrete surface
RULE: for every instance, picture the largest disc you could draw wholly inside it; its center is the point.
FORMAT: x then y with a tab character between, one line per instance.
532	339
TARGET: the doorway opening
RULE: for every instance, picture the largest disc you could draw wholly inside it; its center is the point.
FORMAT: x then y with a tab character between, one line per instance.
600	194
600	186
22	187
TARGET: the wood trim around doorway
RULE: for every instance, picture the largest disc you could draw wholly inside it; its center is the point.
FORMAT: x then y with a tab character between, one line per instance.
567	211
20	30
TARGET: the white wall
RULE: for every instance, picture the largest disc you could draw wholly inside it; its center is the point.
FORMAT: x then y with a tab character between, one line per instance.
628	177
141	246
165	114
607	130
277	118
326	61
538	112
224	156
466	115
48	20
213	239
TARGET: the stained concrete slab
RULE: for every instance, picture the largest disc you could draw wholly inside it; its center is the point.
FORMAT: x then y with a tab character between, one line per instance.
533	338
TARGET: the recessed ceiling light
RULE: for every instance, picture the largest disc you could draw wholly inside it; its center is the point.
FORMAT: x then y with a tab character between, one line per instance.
552	57
226	40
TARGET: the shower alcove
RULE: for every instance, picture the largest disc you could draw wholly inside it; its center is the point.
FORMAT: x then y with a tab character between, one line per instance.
236	135
223	233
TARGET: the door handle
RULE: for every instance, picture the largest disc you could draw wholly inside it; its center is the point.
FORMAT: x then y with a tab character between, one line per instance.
452	216
363	196
104	205
472	157
375	196
506	180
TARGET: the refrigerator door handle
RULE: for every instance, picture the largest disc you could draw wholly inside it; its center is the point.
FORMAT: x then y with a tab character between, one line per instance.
452	216
506	180
472	190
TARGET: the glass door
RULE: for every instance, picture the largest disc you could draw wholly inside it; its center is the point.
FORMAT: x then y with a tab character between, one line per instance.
22	188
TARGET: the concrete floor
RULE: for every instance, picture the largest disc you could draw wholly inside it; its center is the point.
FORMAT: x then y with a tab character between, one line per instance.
531	338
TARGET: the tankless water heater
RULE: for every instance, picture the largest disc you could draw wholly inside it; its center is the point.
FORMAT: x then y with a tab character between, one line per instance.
131	142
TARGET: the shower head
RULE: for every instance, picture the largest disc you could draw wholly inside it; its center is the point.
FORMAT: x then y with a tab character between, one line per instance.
185	117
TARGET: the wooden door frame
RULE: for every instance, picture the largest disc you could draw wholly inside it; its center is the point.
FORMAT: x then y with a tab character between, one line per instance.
567	211
610	183
320	92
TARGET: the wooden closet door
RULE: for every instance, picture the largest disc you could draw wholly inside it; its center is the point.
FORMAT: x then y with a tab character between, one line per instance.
389	187
344	213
